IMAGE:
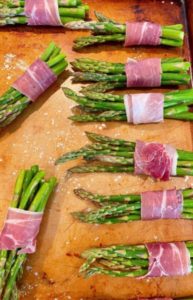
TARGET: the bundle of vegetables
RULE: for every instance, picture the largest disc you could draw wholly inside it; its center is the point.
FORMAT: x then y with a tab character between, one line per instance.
99	107
56	13
167	204
142	73
29	201
106	30
40	75
118	155
151	260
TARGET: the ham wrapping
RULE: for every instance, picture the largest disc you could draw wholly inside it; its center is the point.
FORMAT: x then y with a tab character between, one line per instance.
37	78
42	12
144	108
156	160
168	259
142	33
167	204
20	230
143	73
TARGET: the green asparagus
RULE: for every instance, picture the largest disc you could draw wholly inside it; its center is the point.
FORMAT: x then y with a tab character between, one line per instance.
12	102
175	71
119	261
13	12
117	156
122	208
110	107
107	30
31	193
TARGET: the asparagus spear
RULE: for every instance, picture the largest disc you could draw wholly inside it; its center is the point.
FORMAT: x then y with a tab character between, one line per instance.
112	75
110	107
107	30
118	261
12	102
119	154
13	12
13	262
121	208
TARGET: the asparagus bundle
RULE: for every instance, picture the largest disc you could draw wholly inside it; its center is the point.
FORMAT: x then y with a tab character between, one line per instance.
13	102
113	75
31	194
120	261
106	30
115	209
12	12
99	107
116	156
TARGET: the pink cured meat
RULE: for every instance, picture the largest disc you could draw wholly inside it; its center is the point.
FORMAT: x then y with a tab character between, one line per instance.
144	108
168	259
155	160
167	204
142	33
143	73
42	12
20	230
37	78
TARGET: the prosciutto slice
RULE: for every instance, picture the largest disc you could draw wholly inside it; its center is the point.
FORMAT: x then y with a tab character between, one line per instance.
20	230
156	160
168	259
142	33
144	108
167	204
37	78
143	73
42	12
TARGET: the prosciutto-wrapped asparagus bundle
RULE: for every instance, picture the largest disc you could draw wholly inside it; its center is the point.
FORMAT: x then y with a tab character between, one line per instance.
106	30
133	108
28	87
113	209
21	227
143	261
160	161
151	72
41	12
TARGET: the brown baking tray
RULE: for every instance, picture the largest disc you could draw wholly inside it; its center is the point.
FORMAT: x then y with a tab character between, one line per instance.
43	133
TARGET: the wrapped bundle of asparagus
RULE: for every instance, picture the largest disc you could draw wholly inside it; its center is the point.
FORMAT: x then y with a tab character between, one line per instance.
27	88
116	155
113	209
35	13
151	72
106	30
151	260
18	237
133	108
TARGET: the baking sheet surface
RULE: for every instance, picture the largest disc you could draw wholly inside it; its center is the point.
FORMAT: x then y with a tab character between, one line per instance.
43	133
